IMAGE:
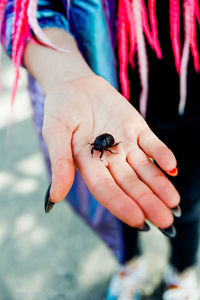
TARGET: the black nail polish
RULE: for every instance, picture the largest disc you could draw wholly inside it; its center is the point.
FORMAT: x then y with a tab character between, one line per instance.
170	232
146	227
48	205
176	211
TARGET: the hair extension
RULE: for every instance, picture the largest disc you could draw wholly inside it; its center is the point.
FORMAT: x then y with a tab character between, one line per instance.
197	11
123	51
145	25
193	41
185	58
18	27
20	33
174	15
33	22
151	34
133	25
131	30
142	57
15	17
2	8
154	27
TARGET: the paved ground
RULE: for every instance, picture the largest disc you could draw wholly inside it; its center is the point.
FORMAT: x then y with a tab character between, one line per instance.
55	256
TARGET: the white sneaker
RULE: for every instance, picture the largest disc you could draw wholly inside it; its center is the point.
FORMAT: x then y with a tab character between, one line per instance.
181	286
127	282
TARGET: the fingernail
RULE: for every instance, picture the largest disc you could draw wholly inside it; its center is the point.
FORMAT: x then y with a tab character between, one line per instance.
170	232
173	172
48	205
145	227
176	211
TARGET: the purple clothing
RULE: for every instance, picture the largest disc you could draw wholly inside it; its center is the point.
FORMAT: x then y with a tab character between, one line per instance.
92	23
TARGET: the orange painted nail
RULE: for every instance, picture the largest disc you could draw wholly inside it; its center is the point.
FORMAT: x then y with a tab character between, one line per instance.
173	172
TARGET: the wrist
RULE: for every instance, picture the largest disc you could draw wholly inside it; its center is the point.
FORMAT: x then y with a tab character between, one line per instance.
62	81
67	84
53	68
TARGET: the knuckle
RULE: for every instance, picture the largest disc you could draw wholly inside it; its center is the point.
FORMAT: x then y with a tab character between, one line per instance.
130	180
143	195
143	163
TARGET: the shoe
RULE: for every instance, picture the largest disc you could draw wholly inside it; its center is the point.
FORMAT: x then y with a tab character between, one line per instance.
181	286
127	282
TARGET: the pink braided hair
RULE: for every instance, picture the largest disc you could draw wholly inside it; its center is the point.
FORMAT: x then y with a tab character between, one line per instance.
33	22
142	56
133	25
131	30
20	33
174	17
140	20
15	17
24	15
191	11
2	8
193	41
145	24
154	27
184	59
197	11
123	50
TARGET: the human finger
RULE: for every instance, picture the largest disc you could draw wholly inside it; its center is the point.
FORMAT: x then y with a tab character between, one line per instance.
153	177
108	193
154	209
58	140
157	150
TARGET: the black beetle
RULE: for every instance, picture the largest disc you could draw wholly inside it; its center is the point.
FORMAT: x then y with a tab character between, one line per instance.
103	142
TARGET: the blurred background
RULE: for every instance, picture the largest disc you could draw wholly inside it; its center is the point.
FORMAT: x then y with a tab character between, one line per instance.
48	256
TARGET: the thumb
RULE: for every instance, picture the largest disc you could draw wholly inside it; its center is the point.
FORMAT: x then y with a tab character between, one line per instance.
58	141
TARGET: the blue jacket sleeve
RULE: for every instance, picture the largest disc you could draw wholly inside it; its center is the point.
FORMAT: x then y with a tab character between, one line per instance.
49	14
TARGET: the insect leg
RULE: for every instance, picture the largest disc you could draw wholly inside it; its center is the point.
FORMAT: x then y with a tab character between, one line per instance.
116	144
101	154
92	151
110	151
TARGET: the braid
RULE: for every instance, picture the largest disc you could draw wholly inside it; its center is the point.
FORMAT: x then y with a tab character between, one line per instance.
142	56
145	24
15	17
184	59
32	18
18	28
174	15
2	8
154	27
193	41
191	11
131	29
20	33
197	11
151	34
123	51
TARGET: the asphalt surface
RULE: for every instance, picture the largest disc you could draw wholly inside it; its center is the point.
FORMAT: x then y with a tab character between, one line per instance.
54	256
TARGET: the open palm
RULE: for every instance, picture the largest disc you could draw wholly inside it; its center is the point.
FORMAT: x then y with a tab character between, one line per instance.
128	183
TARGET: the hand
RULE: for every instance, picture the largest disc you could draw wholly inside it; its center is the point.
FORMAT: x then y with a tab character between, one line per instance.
128	184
